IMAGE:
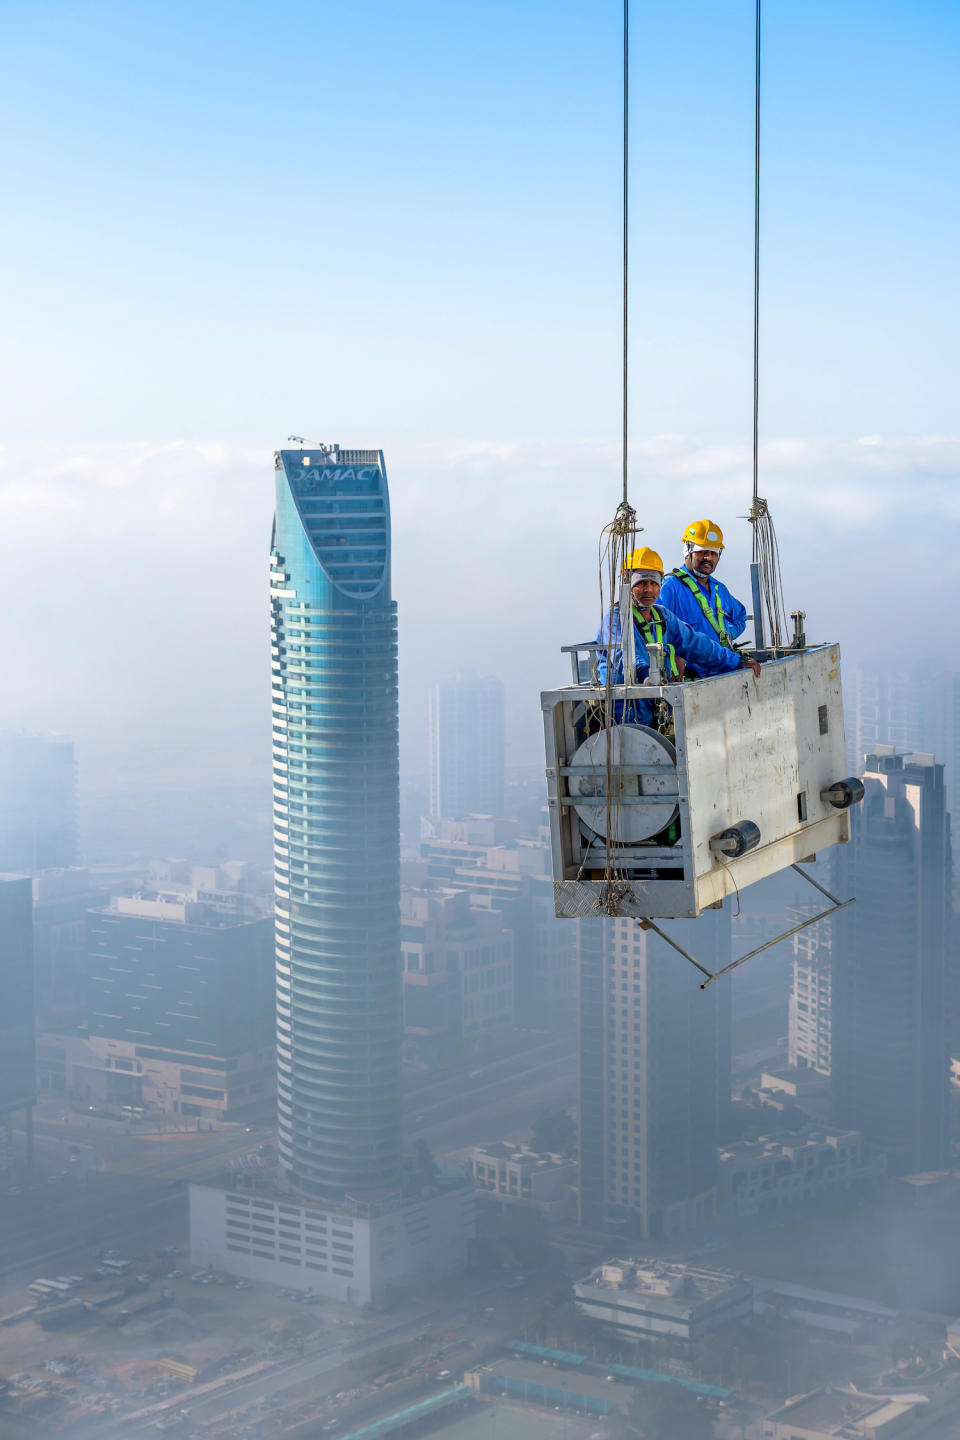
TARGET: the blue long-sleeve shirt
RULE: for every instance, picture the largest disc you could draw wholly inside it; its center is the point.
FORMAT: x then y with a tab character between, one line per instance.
688	644
676	596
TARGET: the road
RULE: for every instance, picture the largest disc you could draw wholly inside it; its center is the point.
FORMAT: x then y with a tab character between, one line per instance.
124	1191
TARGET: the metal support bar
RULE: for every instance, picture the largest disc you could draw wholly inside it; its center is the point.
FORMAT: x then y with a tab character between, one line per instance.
817	886
661	770
814	919
768	944
649	925
758	640
628	635
601	799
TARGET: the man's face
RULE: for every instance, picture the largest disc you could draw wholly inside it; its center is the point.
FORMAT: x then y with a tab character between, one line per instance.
704	561
645	592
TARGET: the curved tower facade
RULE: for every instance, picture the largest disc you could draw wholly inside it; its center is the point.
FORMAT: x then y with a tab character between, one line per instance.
336	823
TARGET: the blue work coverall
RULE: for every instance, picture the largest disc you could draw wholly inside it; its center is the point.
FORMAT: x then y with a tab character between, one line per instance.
688	645
675	595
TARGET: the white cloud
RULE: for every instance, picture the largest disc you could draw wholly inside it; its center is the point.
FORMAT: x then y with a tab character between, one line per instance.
134	592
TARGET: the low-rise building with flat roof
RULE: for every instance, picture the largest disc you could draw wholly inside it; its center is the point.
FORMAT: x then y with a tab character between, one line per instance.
803	1167
357	1252
662	1299
517	1175
845	1414
825	1310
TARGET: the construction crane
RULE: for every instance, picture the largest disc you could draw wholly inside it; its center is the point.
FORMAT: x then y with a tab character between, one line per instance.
738	777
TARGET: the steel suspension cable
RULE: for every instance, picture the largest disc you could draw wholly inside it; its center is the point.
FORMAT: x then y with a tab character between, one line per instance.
626	230
756	283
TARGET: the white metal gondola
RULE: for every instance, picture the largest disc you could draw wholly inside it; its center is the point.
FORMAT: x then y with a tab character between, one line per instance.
739	777
748	780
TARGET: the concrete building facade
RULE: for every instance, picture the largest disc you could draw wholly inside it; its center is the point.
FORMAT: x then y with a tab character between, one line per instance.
61	900
515	1175
178	1008
512	875
458	971
38	803
891	965
654	1075
357	1252
466	747
813	1166
663	1300
810	1016
17	1076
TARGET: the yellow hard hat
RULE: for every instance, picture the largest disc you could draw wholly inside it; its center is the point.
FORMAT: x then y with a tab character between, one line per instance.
705	534
643	559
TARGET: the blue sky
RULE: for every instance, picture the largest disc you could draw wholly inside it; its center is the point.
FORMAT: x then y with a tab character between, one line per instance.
234	219
398	224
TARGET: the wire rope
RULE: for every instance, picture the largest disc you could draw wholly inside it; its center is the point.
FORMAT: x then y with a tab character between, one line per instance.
626	242
756	277
765	552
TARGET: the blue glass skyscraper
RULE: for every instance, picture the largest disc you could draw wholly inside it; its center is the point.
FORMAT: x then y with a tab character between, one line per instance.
336	816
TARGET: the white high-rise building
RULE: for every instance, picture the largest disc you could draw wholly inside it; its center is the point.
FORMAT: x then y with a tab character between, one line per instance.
466	747
347	1215
811	997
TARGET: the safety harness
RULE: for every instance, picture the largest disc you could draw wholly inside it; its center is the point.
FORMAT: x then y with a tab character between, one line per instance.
716	620
652	632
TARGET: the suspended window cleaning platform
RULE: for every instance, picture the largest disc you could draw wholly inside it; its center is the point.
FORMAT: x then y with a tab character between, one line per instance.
743	777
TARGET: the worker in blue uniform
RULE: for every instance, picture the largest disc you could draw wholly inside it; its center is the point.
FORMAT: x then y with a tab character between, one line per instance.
654	625
696	597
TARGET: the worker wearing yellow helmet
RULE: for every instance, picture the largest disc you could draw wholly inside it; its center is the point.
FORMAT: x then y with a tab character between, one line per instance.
693	594
656	625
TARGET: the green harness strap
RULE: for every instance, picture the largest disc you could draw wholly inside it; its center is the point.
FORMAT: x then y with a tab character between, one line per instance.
652	632
717	621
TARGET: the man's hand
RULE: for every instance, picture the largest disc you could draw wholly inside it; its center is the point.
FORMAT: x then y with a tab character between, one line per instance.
749	664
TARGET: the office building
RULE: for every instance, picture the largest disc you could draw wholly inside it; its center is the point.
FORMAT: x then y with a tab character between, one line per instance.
815	1165
336	806
891	970
466	747
911	712
887	707
654	1075
512	875
662	1299
457	972
357	1253
38	810
179	1009
516	1176
61	900
17	1072
810	1019
337	864
17	1081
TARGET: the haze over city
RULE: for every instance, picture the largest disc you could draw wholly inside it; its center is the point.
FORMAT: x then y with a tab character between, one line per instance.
291	278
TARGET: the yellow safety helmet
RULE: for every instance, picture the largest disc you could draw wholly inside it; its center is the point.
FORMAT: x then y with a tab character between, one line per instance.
703	533
642	559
